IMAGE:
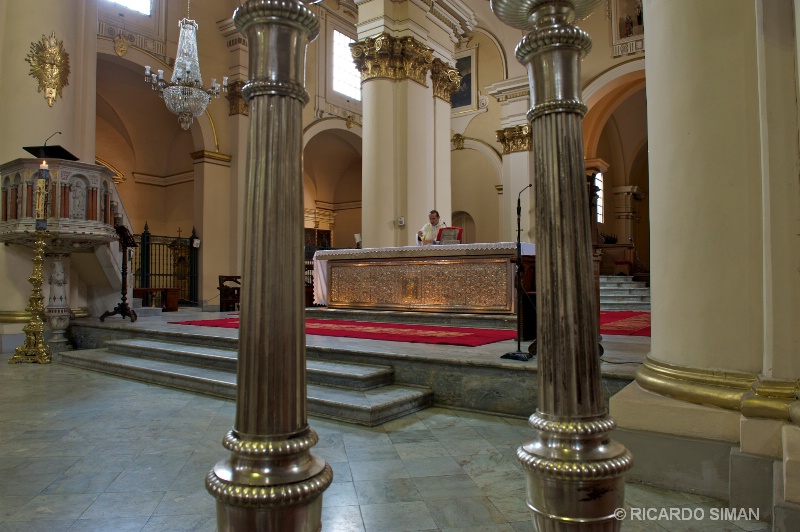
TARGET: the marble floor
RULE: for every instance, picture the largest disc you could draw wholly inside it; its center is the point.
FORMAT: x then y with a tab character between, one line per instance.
84	451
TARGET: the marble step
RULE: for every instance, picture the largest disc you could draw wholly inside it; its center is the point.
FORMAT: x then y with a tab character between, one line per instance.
323	372
621	298
624	284
443	319
624	291
366	407
631	305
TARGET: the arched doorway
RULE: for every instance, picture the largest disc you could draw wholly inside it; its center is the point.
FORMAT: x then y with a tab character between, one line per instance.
615	131
332	183
464	221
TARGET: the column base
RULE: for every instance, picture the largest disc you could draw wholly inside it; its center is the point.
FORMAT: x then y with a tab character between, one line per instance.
678	445
302	518
574	474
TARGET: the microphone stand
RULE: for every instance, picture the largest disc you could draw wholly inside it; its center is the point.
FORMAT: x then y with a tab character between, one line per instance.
519	354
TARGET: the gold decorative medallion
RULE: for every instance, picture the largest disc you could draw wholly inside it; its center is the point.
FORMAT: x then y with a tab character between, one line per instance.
49	66
121	44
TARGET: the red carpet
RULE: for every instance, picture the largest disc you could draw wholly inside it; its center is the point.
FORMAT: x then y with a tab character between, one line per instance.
394	332
625	322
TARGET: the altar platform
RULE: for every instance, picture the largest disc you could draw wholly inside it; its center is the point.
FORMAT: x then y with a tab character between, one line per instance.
470	378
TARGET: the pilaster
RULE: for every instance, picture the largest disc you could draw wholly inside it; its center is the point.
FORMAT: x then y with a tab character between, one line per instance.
513	95
212	207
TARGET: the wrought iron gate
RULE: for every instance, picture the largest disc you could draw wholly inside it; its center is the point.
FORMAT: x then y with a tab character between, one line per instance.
167	262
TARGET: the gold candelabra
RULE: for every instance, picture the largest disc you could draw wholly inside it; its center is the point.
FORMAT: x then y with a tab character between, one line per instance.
35	350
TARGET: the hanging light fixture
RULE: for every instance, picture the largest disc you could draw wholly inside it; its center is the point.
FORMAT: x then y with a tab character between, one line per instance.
184	94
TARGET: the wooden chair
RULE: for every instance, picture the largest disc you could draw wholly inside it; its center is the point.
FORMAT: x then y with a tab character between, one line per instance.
229	292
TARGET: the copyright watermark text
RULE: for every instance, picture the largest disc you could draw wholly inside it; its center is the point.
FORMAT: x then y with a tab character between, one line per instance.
683	513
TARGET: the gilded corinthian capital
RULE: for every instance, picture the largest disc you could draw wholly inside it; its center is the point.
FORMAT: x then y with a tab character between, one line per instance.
515	139
446	80
394	58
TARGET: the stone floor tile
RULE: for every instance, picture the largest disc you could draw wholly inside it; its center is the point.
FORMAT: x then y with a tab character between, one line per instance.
54	507
387	490
342	519
447	487
433	467
41	525
117	524
186	503
381	450
381	469
422	449
184	523
82	482
340	494
130	504
411	436
464	512
397	517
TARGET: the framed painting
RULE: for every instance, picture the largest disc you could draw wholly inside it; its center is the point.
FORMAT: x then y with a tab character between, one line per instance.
627	27
466	97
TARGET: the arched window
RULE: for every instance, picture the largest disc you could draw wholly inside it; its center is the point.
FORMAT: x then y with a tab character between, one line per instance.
346	77
145	7
598	181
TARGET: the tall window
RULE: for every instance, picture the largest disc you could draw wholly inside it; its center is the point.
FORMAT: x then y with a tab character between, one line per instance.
346	78
142	6
598	181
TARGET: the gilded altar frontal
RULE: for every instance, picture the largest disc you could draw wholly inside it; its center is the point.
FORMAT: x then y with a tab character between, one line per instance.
477	285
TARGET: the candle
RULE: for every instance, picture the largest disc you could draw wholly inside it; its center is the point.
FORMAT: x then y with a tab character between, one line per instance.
43	166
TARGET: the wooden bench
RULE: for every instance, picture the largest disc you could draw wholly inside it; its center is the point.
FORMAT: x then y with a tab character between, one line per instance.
169	297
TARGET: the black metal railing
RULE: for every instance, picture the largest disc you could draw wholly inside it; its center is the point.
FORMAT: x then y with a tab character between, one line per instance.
167	262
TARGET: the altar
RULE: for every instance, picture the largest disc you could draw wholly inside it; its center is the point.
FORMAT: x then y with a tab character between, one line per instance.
470	278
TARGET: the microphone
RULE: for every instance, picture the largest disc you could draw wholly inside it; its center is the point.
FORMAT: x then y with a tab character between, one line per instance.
50	137
519	199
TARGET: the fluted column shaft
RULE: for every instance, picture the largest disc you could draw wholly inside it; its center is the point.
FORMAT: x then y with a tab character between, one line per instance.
272	481
574	471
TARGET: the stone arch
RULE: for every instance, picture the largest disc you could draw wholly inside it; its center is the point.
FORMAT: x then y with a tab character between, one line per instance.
604	95
487	151
332	163
202	131
464	220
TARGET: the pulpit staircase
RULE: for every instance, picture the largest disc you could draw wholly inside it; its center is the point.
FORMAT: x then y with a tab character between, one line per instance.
621	292
365	394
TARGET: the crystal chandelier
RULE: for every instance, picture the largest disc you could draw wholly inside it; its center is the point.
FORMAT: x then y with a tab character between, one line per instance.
184	93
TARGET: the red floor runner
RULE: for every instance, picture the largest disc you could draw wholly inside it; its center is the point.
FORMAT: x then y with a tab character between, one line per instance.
625	322
393	332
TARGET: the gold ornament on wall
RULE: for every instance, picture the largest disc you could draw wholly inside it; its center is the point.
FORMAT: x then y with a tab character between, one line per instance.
49	66
121	45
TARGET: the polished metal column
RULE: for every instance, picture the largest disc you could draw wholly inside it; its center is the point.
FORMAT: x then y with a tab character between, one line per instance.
574	470
272	481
